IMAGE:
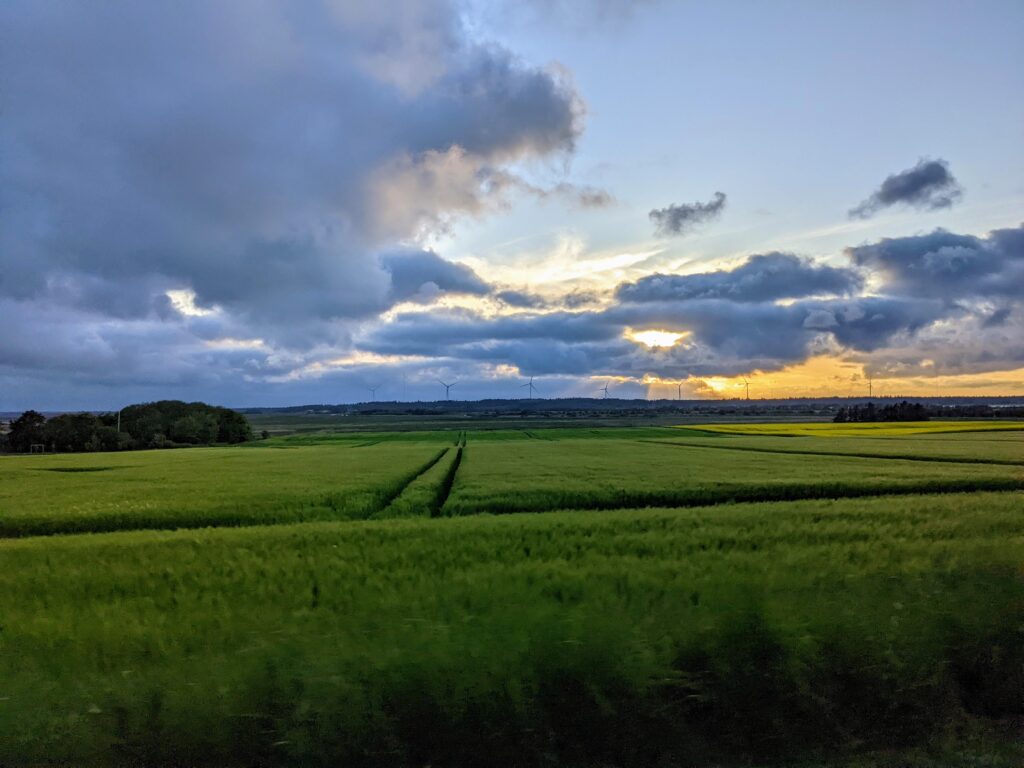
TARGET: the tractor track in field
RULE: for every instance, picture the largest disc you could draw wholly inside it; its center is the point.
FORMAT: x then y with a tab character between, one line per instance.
449	480
796	452
394	494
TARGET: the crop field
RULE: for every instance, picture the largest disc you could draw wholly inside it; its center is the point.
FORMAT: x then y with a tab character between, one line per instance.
203	487
884	429
674	596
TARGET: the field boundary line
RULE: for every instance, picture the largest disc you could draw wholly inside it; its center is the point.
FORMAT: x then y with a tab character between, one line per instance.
797	452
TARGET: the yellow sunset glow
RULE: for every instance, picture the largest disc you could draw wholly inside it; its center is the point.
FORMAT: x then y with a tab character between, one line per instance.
827	376
656	338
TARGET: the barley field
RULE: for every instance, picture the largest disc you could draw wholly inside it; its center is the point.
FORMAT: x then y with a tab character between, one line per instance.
579	597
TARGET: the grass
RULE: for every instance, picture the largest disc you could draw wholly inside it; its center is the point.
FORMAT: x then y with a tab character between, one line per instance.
353	602
879	429
621	638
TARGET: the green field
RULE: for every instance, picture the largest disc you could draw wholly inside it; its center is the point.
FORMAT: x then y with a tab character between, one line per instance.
674	597
886	429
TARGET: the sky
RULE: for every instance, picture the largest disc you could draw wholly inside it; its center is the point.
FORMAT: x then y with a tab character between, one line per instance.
266	203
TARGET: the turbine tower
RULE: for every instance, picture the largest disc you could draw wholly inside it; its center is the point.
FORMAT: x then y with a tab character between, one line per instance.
447	388
373	392
531	388
871	387
747	385
679	390
605	390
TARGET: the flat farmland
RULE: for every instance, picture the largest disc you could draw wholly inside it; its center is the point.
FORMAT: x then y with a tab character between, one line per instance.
674	597
536	475
204	486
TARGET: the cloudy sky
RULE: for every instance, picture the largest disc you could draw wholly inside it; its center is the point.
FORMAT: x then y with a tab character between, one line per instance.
255	202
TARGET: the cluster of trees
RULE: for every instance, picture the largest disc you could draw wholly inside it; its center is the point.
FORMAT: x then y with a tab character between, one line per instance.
166	424
902	411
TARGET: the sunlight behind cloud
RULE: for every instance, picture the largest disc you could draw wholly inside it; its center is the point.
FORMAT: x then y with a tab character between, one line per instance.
185	302
656	338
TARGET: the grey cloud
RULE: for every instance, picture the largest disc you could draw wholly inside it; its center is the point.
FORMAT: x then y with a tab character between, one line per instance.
764	277
576	299
443	333
724	336
948	265
998	317
735	324
424	274
681	219
929	186
240	150
969	346
522	299
584	196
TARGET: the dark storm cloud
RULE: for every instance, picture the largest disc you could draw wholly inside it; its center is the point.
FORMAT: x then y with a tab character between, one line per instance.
928	186
947	265
764	277
680	219
257	153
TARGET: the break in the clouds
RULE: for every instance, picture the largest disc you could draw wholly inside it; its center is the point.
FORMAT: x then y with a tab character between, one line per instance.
928	186
681	219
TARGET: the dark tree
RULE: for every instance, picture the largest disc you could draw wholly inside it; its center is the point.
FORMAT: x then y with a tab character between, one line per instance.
902	411
26	431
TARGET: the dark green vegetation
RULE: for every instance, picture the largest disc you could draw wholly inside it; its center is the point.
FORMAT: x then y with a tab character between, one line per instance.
901	411
394	627
165	424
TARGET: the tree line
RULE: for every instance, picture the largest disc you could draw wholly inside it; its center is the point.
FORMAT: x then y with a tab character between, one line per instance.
164	424
902	411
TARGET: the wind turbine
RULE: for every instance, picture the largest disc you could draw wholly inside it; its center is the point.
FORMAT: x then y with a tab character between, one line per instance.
447	387
531	388
747	385
871	387
373	392
605	390
679	390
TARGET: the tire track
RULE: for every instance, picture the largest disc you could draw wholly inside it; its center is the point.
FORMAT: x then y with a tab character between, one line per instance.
449	481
